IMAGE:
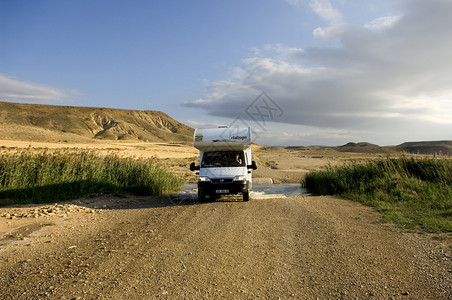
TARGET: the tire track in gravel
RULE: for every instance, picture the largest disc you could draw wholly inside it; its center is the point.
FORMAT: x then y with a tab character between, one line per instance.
289	248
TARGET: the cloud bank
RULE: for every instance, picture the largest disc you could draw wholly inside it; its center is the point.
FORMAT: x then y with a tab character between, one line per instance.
17	90
389	76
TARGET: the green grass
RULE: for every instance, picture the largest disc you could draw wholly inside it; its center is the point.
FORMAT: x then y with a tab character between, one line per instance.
30	176
410	192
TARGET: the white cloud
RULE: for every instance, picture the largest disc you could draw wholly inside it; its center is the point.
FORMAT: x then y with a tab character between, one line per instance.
16	90
198	124
382	22
391	84
330	32
291	135
327	12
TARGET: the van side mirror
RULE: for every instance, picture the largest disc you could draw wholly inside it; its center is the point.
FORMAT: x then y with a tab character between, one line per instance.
252	166
193	167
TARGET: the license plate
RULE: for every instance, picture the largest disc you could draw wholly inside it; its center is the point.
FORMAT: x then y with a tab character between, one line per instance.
222	191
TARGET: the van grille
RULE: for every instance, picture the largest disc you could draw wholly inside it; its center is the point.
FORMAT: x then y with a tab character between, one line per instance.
222	180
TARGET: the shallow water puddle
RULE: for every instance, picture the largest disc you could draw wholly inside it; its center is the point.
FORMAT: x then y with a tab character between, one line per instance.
260	191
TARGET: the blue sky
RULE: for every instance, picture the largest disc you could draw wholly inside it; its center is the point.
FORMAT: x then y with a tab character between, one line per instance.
332	71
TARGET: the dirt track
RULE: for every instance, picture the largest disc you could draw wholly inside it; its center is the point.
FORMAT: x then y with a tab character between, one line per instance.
289	248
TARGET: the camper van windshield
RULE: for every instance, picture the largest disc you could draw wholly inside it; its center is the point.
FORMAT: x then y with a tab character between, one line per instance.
218	159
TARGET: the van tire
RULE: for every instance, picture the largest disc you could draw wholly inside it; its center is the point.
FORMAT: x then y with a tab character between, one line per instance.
201	194
246	196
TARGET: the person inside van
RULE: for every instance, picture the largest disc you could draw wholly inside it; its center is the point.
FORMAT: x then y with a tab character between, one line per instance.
235	160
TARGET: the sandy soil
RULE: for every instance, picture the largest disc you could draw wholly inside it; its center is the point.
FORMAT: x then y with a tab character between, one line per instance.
289	248
171	247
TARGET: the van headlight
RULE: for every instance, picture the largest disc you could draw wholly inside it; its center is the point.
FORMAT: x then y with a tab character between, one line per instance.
239	178
204	178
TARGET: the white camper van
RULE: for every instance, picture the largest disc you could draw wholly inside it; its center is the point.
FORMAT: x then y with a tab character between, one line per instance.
225	161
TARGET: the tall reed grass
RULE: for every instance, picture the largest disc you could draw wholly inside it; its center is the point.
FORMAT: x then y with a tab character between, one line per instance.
29	176
408	191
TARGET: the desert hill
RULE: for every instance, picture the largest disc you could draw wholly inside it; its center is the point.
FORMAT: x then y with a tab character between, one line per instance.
363	147
58	123
426	147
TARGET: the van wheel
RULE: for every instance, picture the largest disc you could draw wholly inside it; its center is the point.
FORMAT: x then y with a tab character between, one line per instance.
246	196
201	194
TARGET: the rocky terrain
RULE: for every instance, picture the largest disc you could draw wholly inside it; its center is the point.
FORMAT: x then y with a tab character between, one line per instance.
120	247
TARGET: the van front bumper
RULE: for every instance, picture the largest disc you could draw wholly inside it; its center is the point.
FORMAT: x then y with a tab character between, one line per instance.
221	187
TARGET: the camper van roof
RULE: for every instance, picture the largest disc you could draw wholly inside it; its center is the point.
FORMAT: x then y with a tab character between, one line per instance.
222	139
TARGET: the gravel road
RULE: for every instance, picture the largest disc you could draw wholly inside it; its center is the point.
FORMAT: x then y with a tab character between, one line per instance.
297	247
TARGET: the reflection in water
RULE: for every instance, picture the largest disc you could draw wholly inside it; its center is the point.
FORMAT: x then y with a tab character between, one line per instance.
286	189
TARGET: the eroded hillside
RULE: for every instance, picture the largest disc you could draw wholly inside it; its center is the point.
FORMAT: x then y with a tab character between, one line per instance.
51	122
